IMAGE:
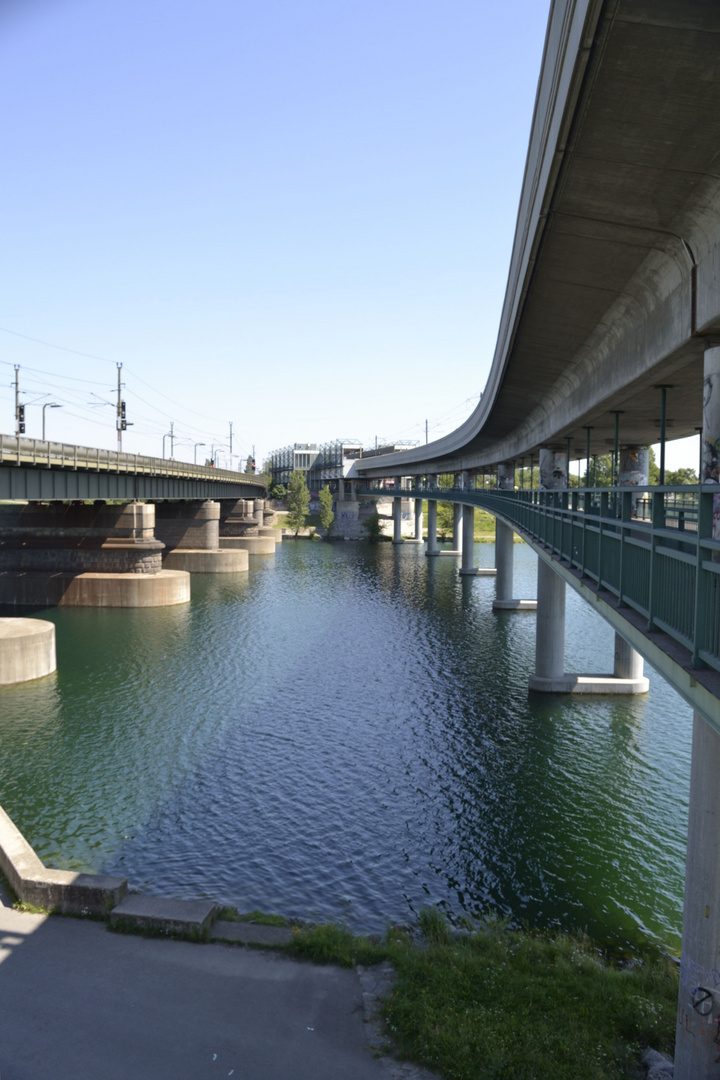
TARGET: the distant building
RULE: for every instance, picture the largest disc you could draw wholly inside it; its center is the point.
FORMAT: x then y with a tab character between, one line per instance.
323	465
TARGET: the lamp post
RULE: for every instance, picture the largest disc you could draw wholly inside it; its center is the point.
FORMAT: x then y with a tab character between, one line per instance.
48	405
195	451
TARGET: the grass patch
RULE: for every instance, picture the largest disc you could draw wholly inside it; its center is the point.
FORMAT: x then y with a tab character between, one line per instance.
331	943
33	909
498	1003
260	918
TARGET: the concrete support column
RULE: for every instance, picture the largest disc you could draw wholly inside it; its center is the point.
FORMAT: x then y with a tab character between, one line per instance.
353	491
503	560
457	526
432	545
550	637
468	541
397	514
696	1050
634	468
397	521
553	469
711	416
628	664
418	519
550	676
506	476
341	490
259	511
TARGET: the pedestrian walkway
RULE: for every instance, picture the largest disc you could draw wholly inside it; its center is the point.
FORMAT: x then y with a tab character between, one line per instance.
77	1000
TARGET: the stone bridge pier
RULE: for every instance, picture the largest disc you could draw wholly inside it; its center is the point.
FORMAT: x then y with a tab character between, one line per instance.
85	555
246	525
190	531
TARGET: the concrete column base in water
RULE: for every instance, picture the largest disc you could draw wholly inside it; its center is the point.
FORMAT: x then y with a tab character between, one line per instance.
458	527
432	548
252	545
468	542
397	521
698	1023
550	676
504	553
27	650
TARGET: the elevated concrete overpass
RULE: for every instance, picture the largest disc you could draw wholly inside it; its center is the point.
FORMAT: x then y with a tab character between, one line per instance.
610	338
614	283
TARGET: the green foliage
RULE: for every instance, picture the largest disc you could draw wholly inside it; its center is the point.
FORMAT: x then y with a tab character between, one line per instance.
259	918
676	477
373	526
331	943
498	1003
445	519
327	516
276	491
297	500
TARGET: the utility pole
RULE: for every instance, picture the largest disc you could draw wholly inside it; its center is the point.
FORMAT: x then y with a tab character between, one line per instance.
426	432
172	441
231	441
120	418
19	409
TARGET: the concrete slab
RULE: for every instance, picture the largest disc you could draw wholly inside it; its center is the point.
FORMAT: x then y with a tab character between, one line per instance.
77	1001
514	605
587	684
164	914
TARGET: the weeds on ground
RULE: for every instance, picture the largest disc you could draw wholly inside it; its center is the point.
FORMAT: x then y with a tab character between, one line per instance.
501	1003
260	918
492	1003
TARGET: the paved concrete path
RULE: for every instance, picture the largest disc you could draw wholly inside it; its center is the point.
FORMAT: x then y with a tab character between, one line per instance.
79	1001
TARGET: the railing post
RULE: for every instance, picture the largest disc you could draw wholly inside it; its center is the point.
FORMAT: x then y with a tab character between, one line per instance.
704	532
604	506
626	498
658	522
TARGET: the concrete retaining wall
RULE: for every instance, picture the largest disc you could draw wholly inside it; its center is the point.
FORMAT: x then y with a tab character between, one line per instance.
60	890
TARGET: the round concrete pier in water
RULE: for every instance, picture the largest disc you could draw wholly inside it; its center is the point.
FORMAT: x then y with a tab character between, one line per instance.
206	562
27	650
254	545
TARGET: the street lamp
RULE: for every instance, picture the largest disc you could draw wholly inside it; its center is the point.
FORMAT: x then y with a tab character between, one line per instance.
195	451
48	405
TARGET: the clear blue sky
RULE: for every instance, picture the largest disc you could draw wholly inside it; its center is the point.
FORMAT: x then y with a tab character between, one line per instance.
295	215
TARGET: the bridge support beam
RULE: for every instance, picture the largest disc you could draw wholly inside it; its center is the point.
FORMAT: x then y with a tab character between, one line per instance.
696	1049
550	675
504	553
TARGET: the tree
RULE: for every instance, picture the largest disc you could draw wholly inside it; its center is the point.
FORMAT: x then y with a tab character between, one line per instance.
297	500
373	526
445	520
326	511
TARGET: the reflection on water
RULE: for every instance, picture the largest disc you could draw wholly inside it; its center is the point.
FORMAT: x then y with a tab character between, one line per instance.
348	727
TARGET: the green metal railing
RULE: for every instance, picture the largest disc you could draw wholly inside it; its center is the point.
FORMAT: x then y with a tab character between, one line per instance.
634	544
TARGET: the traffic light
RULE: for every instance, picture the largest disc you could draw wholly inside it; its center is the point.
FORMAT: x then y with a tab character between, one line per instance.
252	464
21	419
